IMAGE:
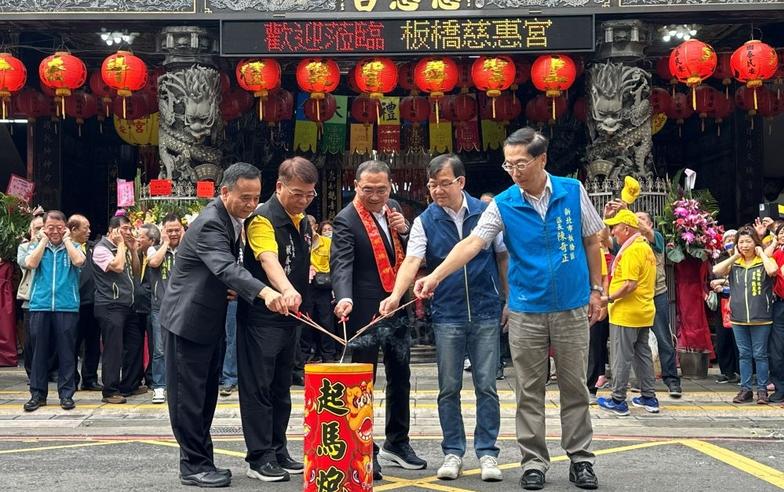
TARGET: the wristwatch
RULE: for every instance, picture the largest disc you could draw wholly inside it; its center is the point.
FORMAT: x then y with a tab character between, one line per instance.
598	288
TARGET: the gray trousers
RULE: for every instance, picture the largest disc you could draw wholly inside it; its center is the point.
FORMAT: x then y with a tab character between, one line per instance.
530	339
630	348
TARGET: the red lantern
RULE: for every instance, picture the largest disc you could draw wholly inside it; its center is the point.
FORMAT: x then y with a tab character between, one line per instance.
124	73
768	105
722	109
231	105
744	100
445	109
13	75
680	109
508	108
663	71
137	105
31	103
259	76
542	110
706	102
580	109
405	78
81	106
464	107
318	76
553	74
753	63
364	109
154	74
493	75
661	100
692	62
278	106
225	82
352	80
723	71
464	79
320	110
436	75
64	73
376	76
414	109
101	89
522	72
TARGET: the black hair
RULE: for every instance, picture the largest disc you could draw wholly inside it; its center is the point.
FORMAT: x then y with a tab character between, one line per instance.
54	215
535	143
237	171
439	162
118	220
372	167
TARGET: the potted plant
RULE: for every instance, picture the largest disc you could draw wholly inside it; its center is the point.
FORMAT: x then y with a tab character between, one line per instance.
15	219
693	238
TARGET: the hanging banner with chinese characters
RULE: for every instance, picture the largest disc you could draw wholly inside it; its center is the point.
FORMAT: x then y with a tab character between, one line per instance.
305	131
361	138
338	430
334	136
389	125
408	35
125	196
493	134
440	137
412	137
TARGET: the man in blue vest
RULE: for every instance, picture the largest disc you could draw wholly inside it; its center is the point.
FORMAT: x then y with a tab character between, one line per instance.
466	311
549	227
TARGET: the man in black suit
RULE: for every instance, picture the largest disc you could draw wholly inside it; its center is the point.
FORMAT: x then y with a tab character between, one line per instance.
193	313
367	249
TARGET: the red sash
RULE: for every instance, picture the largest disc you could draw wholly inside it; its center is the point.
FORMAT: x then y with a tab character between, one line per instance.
386	271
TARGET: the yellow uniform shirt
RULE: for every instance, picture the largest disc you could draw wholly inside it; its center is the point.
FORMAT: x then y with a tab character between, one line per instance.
635	309
319	256
261	234
602	256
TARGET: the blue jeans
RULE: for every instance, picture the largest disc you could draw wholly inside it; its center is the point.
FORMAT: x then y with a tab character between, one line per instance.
158	357
752	342
661	328
229	376
480	340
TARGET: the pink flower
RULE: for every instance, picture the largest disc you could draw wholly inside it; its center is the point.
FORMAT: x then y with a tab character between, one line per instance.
688	237
680	212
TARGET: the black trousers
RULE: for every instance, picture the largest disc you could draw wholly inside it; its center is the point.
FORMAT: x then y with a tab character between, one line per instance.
89	334
192	377
265	356
122	342
53	330
394	338
315	343
145	374
726	351
28	348
597	353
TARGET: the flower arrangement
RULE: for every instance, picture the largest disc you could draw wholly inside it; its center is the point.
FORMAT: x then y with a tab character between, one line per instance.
689	225
15	217
154	212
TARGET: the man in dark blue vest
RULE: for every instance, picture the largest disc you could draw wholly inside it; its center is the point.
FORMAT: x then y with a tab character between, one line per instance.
466	310
550	227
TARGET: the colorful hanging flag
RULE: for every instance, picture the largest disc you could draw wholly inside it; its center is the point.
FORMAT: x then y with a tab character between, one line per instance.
389	125
305	131
493	134
441	137
334	136
361	138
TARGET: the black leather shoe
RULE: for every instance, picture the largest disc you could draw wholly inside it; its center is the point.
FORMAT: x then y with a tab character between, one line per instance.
776	397
377	475
288	464
208	480
92	387
581	473
532	480
224	471
403	455
268	472
34	404
67	403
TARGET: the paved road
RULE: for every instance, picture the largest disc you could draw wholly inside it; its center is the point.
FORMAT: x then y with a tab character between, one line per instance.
700	442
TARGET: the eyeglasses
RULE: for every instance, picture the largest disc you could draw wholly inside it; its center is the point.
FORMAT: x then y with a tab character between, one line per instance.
374	191
517	166
298	194
443	186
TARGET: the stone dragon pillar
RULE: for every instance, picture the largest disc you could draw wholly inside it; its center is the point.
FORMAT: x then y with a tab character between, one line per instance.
619	112
189	103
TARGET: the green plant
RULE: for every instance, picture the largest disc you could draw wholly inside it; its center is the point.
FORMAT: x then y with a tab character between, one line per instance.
15	217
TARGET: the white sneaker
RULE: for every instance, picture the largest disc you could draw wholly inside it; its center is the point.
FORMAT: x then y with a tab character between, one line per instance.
490	470
452	467
159	395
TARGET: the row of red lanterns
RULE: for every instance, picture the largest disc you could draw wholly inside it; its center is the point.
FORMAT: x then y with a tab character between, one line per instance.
435	75
693	61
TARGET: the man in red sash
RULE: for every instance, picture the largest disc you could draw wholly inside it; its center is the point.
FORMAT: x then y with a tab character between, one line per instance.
367	250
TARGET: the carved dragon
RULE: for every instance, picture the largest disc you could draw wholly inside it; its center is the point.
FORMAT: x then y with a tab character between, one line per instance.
190	127
619	121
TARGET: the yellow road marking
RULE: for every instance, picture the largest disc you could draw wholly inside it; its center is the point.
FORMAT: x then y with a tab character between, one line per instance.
63	446
174	444
742	463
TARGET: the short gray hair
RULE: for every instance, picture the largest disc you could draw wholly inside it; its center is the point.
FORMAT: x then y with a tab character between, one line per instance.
152	232
535	143
372	167
237	171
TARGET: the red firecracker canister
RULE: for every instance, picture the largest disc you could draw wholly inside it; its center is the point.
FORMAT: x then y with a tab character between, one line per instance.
338	444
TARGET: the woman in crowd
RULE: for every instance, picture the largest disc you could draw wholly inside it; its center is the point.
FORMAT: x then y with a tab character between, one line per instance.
751	292
315	345
726	349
